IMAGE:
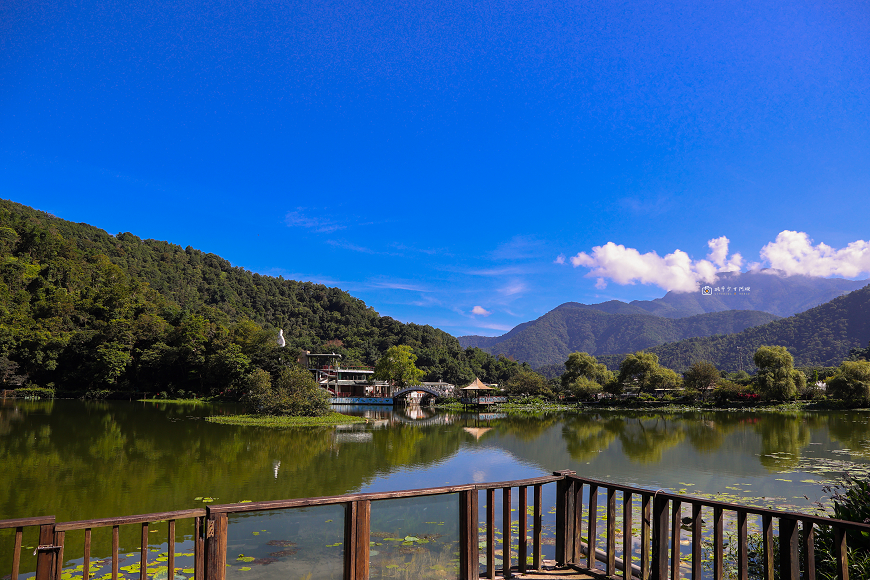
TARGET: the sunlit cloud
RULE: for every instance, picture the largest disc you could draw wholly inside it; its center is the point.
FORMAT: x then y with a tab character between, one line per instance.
792	253
675	271
480	311
513	288
560	259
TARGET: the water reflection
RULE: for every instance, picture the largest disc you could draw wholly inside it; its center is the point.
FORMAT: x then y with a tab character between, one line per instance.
80	460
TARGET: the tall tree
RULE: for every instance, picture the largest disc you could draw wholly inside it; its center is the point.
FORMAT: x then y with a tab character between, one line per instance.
852	382
642	370
397	367
777	377
584	376
701	377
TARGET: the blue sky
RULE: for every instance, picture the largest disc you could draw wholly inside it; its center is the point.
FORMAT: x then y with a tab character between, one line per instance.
439	160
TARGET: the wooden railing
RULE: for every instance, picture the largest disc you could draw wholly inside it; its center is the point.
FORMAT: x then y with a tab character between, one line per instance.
577	544
660	530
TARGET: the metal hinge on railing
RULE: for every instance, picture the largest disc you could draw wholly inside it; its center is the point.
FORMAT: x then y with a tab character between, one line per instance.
209	529
45	548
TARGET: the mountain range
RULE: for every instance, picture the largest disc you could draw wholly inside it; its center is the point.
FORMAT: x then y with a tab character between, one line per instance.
736	302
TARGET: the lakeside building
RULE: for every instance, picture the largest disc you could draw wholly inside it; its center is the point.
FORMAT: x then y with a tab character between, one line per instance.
357	381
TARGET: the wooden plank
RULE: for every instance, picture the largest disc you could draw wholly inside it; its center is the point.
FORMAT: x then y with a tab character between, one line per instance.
16	553
592	526
26	522
697	536
143	553
767	542
350	540
170	566
125	520
645	533
742	547
522	529
660	537
611	532
570	530
537	526
840	553
809	539
363	529
115	544
562	492
506	531
490	533
676	522
198	548
789	561
86	565
578	521
718	544
58	562
627	547
45	558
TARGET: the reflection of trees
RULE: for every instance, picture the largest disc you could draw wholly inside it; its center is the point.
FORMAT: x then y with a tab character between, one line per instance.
851	430
586	435
525	427
706	432
644	439
782	434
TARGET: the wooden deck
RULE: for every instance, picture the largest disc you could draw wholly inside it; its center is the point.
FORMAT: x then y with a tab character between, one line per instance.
551	570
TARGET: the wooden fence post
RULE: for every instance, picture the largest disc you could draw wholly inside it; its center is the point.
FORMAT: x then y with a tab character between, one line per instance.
469	549
660	538
564	517
45	559
216	546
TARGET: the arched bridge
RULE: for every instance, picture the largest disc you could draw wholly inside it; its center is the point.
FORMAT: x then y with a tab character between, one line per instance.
429	391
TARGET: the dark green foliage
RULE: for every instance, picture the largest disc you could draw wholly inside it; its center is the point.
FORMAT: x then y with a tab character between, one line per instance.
851	383
641	371
821	336
777	378
584	377
292	392
95	313
576	327
528	382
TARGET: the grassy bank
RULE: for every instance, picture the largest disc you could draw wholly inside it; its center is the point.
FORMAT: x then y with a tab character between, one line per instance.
281	421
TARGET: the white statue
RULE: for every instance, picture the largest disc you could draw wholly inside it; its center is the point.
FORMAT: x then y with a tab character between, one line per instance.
281	342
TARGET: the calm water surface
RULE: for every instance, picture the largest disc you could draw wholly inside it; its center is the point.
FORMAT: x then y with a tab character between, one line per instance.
82	460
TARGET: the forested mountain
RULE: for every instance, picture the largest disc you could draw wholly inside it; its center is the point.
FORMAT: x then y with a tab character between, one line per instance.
765	290
821	336
84	310
576	327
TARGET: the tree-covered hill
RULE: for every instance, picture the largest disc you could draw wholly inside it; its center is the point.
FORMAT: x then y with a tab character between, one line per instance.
84	310
819	337
576	327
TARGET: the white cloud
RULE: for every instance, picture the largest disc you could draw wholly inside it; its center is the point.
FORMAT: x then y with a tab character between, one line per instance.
480	311
791	253
794	253
675	271
560	259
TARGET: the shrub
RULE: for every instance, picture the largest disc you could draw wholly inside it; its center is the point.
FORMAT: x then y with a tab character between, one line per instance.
292	392
31	391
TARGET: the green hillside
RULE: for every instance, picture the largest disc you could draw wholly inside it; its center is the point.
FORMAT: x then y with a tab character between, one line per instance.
819	337
576	327
85	310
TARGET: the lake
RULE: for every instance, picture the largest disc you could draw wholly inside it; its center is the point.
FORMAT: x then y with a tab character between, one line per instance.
82	460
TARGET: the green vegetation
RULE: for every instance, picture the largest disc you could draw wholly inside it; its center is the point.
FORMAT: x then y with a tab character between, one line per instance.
820	337
397	367
584	376
95	315
291	391
284	420
577	327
